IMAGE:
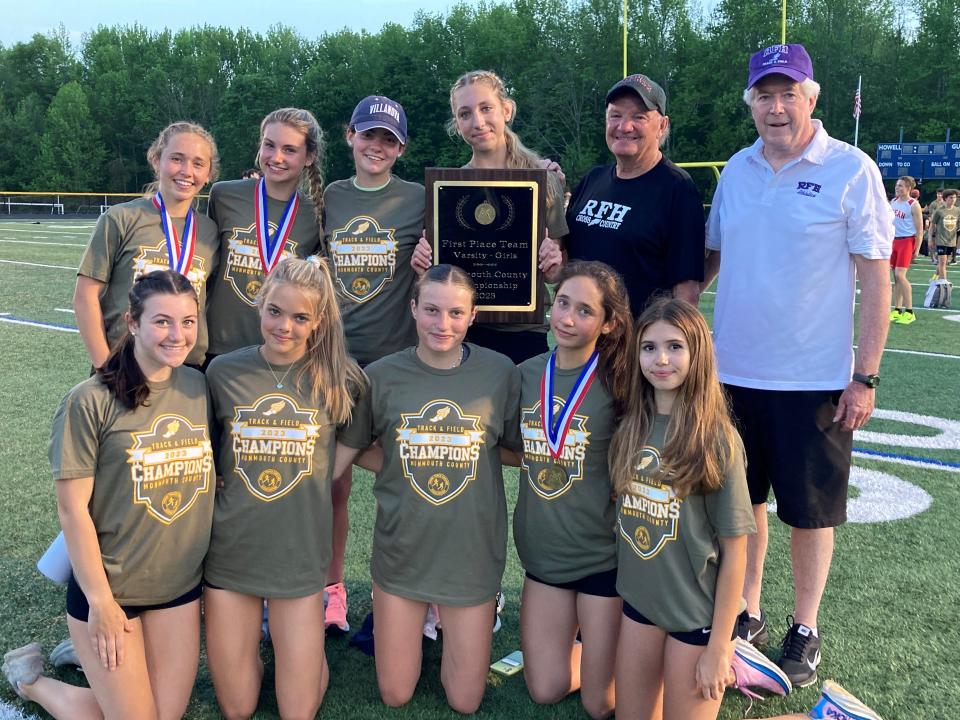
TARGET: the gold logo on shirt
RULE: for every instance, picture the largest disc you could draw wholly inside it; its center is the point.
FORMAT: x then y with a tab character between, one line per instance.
273	445
243	270
648	514
439	448
364	258
156	258
171	502
269	481
550	478
171	466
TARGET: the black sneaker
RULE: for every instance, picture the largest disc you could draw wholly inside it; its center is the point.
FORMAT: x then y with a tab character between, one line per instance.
752	630
800	655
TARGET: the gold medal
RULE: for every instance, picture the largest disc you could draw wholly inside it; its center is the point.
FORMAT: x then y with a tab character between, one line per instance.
485	213
552	477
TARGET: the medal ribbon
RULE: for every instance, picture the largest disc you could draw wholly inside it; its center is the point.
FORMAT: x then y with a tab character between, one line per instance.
179	255
271	248
557	433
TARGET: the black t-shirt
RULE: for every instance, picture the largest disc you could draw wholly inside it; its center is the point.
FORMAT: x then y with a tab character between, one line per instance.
649	228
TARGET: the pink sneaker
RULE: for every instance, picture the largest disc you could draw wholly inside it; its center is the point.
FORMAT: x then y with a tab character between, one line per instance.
755	670
336	607
837	704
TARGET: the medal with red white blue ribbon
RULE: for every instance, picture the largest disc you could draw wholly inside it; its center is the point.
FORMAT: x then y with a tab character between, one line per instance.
556	433
271	248
179	254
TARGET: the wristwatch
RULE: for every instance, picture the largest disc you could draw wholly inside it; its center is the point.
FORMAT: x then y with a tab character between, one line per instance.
871	381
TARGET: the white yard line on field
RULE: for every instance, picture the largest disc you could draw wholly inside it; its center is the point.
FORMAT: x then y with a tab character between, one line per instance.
40	242
31	323
54	267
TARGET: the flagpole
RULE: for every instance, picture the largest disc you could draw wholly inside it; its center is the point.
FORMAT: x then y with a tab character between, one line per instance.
856	129
624	38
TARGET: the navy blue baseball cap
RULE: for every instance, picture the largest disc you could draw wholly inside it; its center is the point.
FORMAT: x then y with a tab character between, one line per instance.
377	111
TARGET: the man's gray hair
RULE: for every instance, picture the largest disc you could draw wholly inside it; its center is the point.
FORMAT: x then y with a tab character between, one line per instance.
809	88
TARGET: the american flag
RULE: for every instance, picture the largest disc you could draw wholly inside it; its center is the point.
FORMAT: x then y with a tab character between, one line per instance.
856	104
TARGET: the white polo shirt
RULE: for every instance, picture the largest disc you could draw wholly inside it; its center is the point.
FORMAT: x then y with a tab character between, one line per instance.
784	312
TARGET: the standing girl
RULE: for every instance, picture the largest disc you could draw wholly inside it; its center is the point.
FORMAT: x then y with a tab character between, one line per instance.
563	523
372	223
133	466
261	221
683	516
277	407
441	411
482	112
152	233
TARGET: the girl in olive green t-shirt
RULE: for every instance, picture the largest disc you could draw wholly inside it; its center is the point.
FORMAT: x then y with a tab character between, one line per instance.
372	222
441	412
563	522
277	407
151	233
131	456
262	221
683	516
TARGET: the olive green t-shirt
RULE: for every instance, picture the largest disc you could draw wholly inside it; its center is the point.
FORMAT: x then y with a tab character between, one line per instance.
441	528
945	222
128	242
152	470
669	548
370	235
563	524
232	311
273	519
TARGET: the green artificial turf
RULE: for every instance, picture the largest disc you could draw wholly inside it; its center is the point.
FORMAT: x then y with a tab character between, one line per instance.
888	619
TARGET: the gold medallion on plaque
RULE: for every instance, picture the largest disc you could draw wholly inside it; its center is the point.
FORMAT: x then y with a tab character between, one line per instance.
485	213
269	480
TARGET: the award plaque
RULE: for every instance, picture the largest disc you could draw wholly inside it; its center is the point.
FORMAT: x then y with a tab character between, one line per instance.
489	223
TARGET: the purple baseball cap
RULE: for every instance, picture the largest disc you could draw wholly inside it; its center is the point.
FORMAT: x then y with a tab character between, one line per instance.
790	60
377	111
652	95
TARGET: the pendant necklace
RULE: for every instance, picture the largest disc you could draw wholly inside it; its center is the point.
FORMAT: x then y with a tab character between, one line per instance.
270	368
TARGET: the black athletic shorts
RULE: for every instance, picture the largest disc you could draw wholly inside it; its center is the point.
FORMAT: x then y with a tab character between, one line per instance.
946	249
700	636
79	609
601	584
793	446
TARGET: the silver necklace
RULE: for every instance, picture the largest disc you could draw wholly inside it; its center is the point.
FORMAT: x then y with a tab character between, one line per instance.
270	368
457	363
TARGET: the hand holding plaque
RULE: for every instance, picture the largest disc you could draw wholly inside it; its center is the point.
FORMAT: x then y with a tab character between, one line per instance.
489	223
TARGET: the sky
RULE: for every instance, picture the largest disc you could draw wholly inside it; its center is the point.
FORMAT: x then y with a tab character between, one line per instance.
310	18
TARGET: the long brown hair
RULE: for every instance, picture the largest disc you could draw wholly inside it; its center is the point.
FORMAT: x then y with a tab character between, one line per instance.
614	347
331	374
519	156
311	176
700	439
121	372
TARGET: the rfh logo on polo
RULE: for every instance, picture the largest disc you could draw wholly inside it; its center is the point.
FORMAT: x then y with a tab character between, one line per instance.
808	188
603	214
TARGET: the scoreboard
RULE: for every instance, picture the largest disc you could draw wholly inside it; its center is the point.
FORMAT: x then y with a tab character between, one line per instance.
924	161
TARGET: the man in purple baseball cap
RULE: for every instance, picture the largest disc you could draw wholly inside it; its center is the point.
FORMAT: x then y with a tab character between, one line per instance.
797	219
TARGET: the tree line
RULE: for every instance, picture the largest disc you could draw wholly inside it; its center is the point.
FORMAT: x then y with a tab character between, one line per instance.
81	118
